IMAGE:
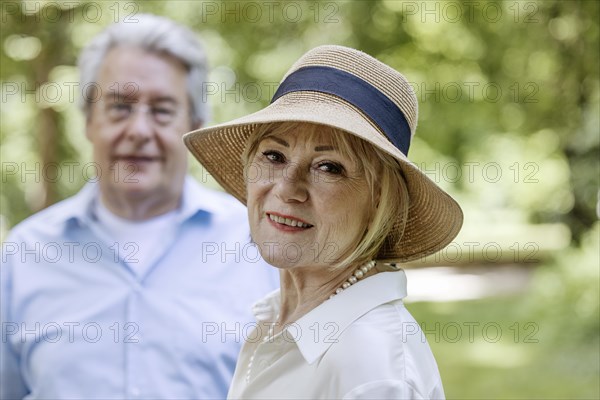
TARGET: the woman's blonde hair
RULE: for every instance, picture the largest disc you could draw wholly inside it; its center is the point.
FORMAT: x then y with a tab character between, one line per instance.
389	194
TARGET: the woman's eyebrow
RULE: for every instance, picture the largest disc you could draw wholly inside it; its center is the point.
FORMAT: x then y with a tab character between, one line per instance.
324	148
280	141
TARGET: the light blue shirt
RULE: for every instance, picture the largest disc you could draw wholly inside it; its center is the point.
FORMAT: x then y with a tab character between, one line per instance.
79	323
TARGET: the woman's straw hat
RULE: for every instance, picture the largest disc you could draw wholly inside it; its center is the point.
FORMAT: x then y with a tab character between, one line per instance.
349	90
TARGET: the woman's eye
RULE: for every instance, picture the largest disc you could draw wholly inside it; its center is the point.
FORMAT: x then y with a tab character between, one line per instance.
274	156
331	168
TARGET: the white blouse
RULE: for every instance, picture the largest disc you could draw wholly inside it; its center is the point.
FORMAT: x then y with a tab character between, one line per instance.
361	344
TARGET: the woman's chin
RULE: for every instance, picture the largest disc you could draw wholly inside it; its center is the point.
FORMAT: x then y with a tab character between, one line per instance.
279	262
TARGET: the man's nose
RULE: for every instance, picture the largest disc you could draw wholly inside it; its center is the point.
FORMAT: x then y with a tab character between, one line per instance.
139	125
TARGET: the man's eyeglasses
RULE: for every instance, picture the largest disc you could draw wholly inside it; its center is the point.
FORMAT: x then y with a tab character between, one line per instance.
162	113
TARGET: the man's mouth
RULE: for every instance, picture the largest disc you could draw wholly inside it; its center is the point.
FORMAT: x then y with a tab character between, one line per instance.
137	159
289	221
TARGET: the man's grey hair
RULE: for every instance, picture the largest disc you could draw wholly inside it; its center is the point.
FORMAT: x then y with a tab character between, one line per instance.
156	35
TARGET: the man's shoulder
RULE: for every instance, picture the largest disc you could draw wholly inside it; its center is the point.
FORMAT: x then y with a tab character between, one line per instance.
220	204
49	221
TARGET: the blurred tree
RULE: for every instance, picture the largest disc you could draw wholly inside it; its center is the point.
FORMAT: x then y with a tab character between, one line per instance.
47	128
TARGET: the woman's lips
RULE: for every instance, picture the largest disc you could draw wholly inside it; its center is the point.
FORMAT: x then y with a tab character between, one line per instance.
287	222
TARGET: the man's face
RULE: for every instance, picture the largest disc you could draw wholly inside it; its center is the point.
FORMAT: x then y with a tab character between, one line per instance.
136	125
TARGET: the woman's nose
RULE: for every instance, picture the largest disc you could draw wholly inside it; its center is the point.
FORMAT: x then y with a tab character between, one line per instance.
292	184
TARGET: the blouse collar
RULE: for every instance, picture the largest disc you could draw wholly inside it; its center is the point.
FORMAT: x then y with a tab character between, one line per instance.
316	331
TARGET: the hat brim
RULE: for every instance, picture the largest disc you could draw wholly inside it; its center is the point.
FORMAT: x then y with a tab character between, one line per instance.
434	218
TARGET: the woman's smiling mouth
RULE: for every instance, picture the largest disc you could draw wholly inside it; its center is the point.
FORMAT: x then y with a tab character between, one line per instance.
288	221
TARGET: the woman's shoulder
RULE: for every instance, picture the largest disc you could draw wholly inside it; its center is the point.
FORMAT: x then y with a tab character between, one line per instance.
389	323
385	344
383	331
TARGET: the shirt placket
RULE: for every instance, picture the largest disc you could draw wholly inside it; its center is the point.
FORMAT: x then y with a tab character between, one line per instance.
267	351
133	347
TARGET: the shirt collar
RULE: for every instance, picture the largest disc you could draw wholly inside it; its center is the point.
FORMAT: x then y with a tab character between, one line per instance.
345	308
79	208
195	199
341	311
267	308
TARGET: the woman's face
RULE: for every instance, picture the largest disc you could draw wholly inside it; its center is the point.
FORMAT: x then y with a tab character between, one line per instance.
308	203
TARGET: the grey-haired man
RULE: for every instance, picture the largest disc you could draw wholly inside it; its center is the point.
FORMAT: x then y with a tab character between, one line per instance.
151	294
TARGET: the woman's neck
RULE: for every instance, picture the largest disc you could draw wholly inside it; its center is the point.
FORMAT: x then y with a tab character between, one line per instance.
302	290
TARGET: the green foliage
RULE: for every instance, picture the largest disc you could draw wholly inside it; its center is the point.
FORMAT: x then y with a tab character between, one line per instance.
507	83
568	289
497	348
537	345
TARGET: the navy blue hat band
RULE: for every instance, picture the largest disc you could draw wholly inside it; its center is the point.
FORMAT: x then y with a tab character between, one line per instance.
376	105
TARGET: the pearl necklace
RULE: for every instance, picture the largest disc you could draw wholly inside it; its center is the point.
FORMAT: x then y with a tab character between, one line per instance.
358	274
362	271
